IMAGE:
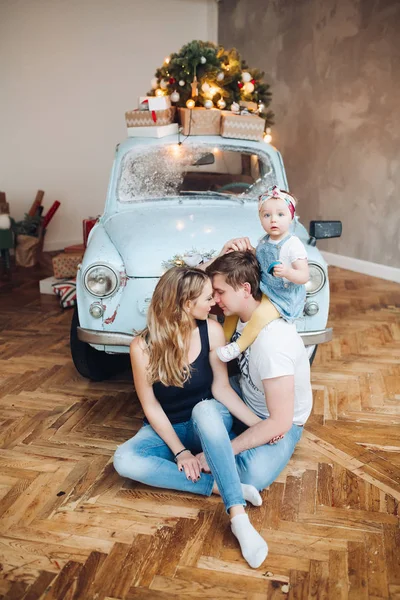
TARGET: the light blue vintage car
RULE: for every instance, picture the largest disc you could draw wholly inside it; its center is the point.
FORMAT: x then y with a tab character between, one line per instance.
170	201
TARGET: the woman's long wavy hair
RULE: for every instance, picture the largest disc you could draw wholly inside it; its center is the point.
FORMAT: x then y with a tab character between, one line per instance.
169	326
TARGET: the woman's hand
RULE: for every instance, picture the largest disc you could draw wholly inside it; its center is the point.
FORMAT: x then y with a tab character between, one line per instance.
203	462
190	464
237	244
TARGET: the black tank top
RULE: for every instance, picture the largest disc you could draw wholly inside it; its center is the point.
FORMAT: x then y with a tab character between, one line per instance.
178	402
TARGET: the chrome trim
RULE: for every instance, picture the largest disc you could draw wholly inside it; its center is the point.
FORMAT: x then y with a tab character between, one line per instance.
116	338
95	266
310	338
324	277
104	338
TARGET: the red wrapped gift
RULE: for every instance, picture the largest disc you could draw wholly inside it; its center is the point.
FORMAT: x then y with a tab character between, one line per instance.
88	225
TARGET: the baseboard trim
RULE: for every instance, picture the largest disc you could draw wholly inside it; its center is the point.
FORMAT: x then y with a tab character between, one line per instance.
362	266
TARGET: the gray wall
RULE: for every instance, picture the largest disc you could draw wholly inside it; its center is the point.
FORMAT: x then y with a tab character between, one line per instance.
334	69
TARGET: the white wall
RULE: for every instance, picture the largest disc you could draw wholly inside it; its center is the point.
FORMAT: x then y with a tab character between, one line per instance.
69	69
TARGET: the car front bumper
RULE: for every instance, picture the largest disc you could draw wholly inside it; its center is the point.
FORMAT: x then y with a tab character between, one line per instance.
115	338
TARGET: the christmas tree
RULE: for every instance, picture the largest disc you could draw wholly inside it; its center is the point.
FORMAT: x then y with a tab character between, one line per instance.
203	74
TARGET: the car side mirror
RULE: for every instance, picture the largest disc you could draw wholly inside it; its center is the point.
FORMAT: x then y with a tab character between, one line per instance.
322	230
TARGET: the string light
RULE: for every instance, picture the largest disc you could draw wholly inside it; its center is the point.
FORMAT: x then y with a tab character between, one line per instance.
167	60
190	103
268	136
175	149
159	92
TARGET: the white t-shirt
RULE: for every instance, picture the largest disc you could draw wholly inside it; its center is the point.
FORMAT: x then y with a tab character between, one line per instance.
293	249
277	351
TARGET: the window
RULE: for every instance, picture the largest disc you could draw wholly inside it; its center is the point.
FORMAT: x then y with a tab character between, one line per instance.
193	169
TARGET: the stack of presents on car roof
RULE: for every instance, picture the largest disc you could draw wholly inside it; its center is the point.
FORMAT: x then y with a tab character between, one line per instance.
204	90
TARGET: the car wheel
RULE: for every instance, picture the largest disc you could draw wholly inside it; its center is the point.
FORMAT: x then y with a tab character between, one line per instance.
311	351
94	364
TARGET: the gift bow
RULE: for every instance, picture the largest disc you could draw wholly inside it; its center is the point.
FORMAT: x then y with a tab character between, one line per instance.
153	112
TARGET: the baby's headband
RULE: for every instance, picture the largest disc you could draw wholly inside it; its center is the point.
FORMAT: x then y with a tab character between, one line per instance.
275	192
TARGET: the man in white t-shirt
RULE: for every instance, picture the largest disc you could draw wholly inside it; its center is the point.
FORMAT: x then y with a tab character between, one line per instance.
274	376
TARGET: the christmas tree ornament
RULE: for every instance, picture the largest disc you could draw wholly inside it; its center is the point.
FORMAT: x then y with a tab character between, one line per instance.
182	82
208	104
248	87
246	77
261	107
190	103
221	103
163	84
220	76
203	60
159	92
195	89
175	96
171	80
253	81
205	87
240	85
154	83
235	108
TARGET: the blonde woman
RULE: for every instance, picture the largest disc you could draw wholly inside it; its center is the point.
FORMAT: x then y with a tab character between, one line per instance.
174	372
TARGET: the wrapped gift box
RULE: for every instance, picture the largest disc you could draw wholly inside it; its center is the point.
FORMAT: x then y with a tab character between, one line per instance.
243	127
46	285
75	248
154	102
66	264
145	118
66	291
87	225
154	132
200	121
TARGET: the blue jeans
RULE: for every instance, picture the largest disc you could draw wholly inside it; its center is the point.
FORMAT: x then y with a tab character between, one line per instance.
148	459
261	466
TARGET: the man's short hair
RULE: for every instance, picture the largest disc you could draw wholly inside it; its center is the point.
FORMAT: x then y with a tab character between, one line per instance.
238	268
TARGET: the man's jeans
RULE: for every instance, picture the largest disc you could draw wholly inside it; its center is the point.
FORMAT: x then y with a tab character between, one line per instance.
261	466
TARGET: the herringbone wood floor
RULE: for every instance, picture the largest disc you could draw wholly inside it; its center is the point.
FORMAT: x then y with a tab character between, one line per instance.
71	528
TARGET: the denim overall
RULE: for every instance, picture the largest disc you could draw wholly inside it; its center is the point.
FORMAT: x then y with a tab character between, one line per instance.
287	297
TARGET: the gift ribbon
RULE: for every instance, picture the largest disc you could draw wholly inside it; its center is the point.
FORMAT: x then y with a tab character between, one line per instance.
153	112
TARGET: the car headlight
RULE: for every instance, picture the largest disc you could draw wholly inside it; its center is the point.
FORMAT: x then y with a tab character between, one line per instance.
101	280
317	279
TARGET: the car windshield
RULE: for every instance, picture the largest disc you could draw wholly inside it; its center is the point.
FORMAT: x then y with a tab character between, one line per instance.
156	172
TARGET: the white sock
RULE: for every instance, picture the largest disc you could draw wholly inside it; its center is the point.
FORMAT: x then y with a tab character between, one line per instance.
251	494
254	548
228	352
